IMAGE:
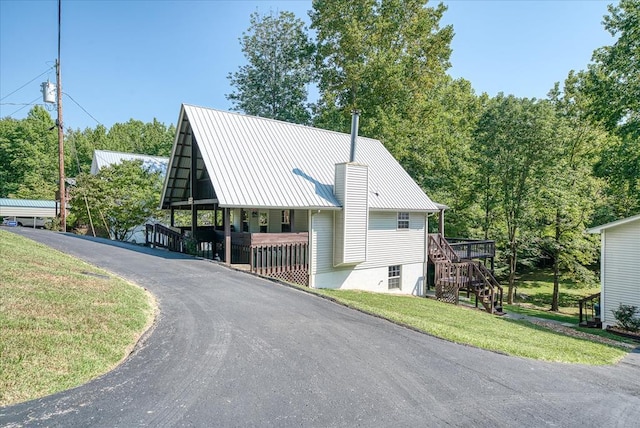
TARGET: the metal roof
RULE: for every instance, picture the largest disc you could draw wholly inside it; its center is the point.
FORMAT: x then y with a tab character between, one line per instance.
599	229
258	162
27	203
103	158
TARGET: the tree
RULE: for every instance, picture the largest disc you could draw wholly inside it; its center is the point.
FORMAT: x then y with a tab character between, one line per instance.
513	142
613	79
381	57
566	201
29	154
280	67
120	197
612	83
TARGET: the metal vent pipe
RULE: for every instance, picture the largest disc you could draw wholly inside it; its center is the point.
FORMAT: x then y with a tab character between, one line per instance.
355	114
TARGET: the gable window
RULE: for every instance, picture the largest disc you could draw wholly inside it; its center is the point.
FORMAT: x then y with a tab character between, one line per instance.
394	277
403	220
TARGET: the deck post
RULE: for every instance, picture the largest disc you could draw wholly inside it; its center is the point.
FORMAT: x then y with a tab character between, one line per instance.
173	217
441	222
227	236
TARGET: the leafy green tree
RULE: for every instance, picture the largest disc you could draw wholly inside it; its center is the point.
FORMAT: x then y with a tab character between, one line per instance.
613	79
513	143
566	198
29	154
280	67
120	197
612	83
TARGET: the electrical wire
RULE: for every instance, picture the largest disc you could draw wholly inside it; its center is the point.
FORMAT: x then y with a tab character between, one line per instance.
26	104
83	109
45	72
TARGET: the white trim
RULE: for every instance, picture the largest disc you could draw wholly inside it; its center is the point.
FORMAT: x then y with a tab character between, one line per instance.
599	229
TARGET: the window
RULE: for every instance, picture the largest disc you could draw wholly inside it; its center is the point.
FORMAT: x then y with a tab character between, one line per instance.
286	221
245	221
403	220
264	222
394	277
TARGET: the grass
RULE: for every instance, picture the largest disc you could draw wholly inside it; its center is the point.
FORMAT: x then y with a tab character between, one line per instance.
535	288
477	328
62	321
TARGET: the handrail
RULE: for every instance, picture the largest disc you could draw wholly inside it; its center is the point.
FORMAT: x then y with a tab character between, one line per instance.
441	244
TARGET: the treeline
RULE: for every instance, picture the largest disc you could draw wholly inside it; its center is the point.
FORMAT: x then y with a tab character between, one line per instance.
29	150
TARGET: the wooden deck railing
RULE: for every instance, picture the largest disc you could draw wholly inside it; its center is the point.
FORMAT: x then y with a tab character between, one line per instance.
440	249
161	236
467	249
590	311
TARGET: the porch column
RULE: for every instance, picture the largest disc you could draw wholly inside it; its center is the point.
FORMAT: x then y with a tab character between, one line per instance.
291	218
227	236
193	185
441	222
173	217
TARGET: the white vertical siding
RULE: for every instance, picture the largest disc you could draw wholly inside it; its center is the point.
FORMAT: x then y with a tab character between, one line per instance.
322	241
351	224
621	268
275	221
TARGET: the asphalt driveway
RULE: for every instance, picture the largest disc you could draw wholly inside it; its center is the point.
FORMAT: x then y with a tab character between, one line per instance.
229	349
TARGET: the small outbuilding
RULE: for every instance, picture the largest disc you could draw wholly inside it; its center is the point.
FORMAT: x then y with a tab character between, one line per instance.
619	266
28	212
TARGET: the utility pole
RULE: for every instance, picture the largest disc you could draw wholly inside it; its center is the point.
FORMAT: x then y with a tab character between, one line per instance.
63	193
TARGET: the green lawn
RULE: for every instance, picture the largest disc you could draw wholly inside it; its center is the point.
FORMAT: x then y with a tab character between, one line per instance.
535	289
477	328
62	321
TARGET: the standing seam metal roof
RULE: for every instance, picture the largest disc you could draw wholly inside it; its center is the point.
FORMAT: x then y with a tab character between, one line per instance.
258	162
27	203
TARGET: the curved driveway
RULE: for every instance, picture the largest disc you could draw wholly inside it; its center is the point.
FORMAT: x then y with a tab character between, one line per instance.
229	349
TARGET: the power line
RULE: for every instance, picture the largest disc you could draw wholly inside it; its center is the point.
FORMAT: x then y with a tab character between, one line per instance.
45	72
26	104
83	109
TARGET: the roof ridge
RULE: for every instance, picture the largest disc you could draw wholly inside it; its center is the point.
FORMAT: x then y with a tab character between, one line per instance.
249	116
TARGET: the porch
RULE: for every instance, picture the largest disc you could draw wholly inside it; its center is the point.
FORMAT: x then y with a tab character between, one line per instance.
277	255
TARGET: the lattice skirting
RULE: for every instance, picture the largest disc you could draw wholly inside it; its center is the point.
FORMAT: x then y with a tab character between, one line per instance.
447	292
300	277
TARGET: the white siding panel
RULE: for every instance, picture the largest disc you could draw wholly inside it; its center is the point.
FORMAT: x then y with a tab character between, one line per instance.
322	241
390	246
621	265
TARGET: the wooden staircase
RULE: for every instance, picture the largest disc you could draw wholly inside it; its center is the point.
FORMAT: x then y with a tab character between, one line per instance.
453	274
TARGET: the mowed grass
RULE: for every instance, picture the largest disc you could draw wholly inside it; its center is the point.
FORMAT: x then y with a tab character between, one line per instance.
477	328
535	290
62	321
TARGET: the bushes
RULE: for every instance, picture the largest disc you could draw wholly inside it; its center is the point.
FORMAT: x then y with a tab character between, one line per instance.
626	317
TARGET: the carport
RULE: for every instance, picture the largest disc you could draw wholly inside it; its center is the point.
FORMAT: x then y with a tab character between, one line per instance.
16	209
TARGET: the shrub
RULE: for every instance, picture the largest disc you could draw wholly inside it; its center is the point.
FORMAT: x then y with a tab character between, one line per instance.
626	317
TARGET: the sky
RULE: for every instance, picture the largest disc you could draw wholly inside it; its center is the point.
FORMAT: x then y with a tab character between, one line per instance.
142	59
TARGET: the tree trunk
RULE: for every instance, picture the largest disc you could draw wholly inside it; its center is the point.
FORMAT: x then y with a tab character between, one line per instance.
556	265
512	271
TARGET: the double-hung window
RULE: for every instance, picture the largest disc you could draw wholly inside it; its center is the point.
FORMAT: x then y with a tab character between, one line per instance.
394	277
403	220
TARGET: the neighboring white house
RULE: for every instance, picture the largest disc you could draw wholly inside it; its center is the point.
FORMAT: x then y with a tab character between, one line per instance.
619	265
104	158
28	212
362	224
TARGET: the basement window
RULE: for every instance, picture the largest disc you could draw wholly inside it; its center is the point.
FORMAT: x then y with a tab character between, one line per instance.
394	277
403	220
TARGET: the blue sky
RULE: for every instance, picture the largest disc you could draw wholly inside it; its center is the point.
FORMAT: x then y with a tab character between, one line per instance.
142	59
